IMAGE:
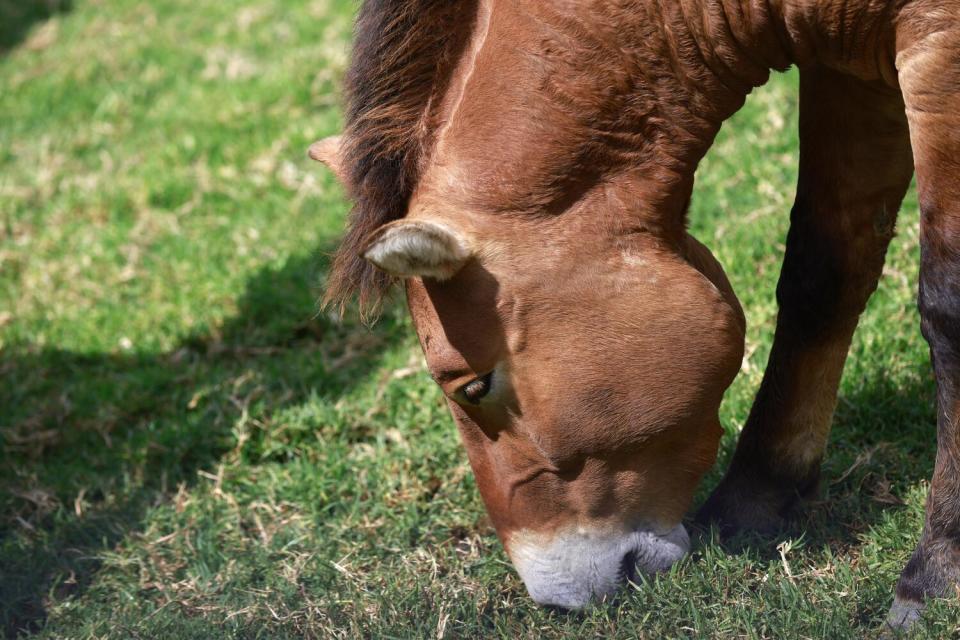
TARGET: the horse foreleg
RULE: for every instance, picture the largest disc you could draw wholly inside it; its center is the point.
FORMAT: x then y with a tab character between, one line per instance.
855	167
930	78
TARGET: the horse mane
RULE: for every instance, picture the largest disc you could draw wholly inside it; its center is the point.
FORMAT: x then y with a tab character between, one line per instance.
403	55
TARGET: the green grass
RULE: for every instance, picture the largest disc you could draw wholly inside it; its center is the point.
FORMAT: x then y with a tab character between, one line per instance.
191	450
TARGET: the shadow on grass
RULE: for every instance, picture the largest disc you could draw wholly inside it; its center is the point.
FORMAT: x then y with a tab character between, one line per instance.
17	17
91	441
882	444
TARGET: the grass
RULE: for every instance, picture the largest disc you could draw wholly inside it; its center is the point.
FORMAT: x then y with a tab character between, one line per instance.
191	451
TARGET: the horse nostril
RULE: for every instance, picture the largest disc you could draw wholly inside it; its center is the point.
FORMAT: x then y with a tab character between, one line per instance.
628	566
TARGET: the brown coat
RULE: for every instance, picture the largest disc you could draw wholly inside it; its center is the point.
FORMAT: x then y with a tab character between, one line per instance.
526	166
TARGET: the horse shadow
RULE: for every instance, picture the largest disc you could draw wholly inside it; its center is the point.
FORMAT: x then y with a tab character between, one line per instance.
17	17
91	441
883	444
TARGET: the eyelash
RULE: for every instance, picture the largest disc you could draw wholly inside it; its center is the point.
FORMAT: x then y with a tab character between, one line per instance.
477	389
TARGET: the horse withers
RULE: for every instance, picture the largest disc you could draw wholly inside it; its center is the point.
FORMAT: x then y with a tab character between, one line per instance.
525	167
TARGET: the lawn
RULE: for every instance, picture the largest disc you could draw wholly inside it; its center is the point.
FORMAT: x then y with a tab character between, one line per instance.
191	449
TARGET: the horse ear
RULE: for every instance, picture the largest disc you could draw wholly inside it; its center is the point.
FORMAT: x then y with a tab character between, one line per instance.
329	151
417	248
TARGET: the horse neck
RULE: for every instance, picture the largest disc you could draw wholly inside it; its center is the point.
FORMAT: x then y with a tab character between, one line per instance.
640	90
720	50
739	41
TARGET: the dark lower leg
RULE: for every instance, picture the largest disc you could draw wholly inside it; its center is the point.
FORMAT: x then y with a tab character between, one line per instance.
929	83
934	567
855	166
777	461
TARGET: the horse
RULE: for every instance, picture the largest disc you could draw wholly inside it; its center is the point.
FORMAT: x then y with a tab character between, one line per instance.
524	167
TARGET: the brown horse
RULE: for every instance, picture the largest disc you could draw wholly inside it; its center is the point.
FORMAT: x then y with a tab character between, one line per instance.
526	165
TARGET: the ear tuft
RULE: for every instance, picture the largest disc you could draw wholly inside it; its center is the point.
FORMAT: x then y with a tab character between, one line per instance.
417	248
329	151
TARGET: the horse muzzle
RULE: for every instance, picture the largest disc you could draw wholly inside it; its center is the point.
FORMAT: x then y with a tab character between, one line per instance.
576	567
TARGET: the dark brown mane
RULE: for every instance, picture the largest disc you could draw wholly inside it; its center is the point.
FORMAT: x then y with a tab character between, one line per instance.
404	52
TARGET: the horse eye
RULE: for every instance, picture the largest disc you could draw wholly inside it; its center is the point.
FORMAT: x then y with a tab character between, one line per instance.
475	390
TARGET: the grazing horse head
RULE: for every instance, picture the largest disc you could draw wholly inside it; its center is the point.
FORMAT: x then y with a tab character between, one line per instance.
525	169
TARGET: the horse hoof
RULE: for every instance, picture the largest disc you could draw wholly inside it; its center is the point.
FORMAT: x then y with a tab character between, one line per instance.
737	508
903	613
